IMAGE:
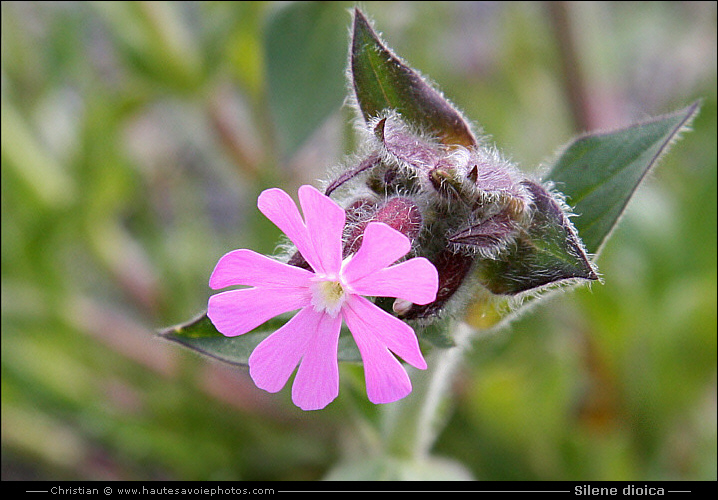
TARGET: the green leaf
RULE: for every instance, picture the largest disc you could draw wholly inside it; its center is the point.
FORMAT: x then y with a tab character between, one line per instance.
549	252
306	59
199	334
382	82
598	173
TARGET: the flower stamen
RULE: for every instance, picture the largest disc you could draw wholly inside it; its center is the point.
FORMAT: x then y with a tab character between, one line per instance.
328	296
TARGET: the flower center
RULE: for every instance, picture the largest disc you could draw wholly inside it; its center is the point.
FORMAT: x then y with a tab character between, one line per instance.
328	296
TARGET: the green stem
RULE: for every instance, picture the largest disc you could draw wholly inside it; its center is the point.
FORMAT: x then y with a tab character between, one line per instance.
411	426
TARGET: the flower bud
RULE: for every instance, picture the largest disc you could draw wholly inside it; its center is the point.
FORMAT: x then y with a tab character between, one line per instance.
487	237
453	269
401	214
398	213
405	147
357	215
449	184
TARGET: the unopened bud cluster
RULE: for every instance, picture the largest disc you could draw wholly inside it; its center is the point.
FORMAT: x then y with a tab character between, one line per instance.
458	205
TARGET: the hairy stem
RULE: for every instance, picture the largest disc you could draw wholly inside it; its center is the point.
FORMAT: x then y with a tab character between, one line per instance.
412	425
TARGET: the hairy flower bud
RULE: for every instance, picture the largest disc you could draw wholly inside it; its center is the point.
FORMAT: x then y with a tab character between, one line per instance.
489	236
398	213
453	269
464	207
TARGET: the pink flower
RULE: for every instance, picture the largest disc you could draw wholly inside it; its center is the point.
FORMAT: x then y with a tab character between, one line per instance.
331	294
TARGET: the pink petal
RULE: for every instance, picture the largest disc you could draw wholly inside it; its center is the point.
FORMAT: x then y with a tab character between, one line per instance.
324	220
238	311
275	358
279	207
317	381
245	267
375	335
385	378
415	280
381	246
364	318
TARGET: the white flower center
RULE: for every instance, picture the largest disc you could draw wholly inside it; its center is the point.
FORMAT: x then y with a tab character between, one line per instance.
328	295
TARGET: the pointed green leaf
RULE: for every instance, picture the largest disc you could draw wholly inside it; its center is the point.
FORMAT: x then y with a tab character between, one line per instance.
383	82
306	60
199	334
598	173
549	252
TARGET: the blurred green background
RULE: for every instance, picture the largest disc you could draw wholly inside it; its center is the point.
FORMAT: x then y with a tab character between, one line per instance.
135	140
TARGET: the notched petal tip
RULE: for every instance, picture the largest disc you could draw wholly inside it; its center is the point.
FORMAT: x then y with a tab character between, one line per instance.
372	327
248	268
426	273
383	391
314	202
383	231
270	197
381	246
317	381
324	220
